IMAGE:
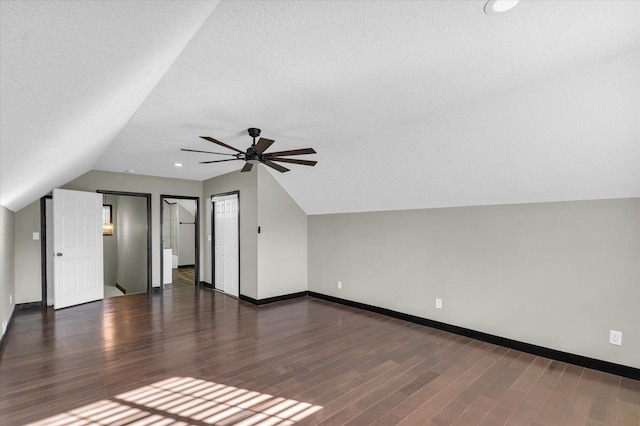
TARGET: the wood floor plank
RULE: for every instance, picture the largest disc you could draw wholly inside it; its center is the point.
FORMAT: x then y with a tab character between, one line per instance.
475	412
604	407
557	402
196	356
528	410
579	405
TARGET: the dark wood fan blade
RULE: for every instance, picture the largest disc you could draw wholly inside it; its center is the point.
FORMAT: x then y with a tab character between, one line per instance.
292	152
294	161
262	145
278	167
218	161
210	139
247	167
206	152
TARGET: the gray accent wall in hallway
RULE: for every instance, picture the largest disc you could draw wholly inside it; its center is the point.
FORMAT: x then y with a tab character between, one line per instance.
131	236
558	275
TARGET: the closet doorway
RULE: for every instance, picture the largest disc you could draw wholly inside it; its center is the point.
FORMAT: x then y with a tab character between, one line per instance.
179	235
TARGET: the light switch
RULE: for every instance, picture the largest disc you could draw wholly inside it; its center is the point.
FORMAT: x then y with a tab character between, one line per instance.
36	235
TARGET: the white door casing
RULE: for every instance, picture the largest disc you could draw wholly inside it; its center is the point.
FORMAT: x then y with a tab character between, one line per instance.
77	247
226	244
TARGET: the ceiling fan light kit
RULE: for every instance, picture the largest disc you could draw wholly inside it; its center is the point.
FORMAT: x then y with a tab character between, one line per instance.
498	7
255	154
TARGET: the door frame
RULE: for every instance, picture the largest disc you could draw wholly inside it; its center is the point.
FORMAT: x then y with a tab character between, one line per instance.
197	236
43	248
213	242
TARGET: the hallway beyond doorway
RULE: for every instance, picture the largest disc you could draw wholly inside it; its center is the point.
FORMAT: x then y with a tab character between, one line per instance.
183	276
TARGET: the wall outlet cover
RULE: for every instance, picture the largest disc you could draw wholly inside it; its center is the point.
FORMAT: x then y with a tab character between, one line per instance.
615	337
340	285
438	303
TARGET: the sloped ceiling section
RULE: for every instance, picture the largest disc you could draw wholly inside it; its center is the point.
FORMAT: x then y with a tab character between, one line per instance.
72	74
408	104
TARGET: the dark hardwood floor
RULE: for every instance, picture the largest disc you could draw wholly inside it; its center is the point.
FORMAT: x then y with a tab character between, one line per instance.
196	356
183	277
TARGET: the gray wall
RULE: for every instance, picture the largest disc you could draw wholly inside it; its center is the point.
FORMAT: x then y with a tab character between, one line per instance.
132	243
28	279
558	275
282	242
247	184
186	236
110	246
7	266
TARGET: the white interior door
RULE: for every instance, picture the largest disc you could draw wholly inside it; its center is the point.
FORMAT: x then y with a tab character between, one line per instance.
218	249
226	244
77	247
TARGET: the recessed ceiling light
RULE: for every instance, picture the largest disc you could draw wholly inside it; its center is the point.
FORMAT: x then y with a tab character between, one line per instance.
498	7
177	164
130	171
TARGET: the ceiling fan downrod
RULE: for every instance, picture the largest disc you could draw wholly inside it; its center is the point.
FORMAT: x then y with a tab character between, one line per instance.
251	156
254	133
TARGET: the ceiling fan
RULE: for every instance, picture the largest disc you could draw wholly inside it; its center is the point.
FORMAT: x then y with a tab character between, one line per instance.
255	154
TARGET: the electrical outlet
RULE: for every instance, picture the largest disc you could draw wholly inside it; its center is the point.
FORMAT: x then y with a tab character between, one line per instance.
11	299
615	337
438	303
339	285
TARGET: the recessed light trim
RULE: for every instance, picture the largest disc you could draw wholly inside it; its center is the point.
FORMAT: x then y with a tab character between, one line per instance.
498	7
177	164
130	171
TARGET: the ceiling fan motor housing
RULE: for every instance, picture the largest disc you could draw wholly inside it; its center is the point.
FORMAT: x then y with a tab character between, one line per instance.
252	158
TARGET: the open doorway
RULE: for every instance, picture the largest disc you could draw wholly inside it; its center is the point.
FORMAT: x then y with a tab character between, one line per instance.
126	220
179	234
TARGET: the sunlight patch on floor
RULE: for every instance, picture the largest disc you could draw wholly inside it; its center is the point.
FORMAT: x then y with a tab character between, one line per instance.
183	401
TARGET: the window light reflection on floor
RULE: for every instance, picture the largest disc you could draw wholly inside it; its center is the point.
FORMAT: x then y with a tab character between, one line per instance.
186	400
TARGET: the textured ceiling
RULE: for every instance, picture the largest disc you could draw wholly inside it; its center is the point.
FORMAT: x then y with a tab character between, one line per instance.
71	75
409	104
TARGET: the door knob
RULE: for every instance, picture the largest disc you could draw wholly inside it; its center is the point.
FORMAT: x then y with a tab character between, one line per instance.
58	254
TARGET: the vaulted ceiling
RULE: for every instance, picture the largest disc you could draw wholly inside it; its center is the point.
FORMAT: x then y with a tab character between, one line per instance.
408	104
